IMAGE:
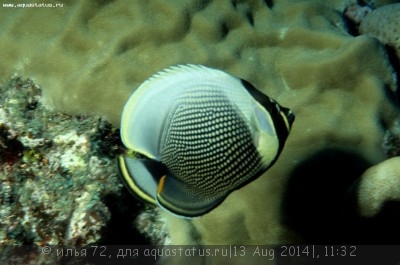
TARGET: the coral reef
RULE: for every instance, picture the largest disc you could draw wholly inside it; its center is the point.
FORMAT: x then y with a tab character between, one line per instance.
357	13
379	184
117	45
152	224
391	141
53	177
94	53
381	23
10	148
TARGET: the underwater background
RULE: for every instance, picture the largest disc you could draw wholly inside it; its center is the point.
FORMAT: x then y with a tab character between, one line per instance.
66	72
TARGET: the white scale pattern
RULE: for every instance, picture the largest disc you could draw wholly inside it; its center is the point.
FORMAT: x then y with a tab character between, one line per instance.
208	145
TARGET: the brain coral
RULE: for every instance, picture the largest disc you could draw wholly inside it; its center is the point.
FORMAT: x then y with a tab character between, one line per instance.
98	51
340	87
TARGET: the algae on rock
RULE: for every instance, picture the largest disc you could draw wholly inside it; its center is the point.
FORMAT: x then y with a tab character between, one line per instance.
53	184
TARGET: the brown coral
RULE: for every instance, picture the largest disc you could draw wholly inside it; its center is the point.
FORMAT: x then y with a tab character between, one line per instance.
298	52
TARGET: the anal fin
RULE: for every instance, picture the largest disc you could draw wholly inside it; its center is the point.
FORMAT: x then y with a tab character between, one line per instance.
141	176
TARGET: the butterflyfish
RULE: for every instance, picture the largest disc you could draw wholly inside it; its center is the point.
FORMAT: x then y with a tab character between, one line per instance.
198	134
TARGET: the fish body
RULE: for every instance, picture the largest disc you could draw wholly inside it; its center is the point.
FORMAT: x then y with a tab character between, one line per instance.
200	134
